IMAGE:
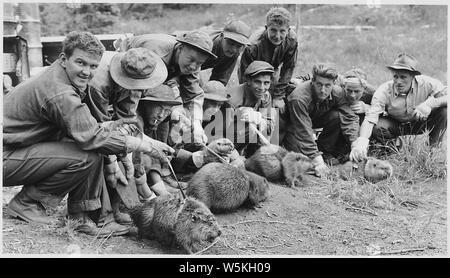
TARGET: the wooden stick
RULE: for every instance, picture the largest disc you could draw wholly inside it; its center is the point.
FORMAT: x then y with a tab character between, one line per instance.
209	246
403	251
361	209
261	136
267	222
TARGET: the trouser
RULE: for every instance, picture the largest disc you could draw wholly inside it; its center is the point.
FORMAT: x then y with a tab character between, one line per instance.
331	140
50	170
388	128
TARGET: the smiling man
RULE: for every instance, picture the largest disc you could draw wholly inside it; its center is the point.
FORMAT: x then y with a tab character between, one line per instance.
253	107
277	45
183	57
319	103
413	103
53	146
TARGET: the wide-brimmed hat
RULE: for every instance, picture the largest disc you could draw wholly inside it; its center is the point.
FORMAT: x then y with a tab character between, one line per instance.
138	69
199	40
257	67
237	31
405	62
163	93
215	90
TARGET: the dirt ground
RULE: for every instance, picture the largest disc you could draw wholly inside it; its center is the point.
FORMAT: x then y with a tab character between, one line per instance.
304	221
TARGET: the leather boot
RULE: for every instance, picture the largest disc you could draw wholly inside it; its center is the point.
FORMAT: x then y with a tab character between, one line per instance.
24	207
86	225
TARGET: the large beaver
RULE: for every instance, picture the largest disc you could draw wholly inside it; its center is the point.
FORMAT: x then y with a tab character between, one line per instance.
171	219
222	187
372	169
266	161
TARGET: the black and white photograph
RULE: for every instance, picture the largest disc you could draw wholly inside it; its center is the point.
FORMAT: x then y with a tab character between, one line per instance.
228	129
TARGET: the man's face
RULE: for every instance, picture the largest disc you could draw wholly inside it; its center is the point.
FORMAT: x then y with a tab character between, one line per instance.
155	113
402	80
322	87
231	48
210	108
259	84
277	33
190	60
353	92
80	67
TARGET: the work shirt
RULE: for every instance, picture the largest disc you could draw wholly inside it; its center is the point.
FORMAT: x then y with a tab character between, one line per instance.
401	107
242	96
103	92
48	108
223	66
304	108
166	46
282	56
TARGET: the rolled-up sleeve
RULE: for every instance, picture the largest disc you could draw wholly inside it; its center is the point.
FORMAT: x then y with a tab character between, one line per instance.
349	121
127	102
378	104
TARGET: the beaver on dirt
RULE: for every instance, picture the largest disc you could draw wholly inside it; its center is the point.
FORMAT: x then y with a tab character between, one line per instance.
266	161
296	167
277	164
222	187
171	219
372	169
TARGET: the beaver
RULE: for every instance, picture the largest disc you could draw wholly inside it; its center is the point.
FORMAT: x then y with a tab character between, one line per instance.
222	187
266	161
372	169
296	167
171	219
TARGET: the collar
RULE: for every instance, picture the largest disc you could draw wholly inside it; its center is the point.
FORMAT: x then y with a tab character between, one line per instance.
314	96
65	79
413	89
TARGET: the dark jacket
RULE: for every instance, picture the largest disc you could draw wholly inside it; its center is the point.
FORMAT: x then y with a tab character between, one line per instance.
48	108
284	55
304	108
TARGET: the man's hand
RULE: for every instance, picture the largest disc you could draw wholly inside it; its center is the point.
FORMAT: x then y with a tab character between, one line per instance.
156	148
359	149
422	111
199	135
113	174
359	107
320	168
251	116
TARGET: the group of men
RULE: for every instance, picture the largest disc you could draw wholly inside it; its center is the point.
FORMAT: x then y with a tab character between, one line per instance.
148	106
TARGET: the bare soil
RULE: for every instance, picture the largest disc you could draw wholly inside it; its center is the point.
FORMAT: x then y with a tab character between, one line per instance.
302	221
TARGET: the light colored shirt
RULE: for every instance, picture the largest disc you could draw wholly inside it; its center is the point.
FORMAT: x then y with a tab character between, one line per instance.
401	107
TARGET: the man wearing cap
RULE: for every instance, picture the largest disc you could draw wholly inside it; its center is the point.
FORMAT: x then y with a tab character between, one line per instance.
120	80
413	103
183	57
276	44
53	146
153	118
227	46
319	103
253	106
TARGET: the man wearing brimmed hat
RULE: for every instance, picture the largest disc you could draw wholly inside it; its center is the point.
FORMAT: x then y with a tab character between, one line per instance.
228	44
120	80
319	103
276	44
413	103
53	146
183	57
153	118
253	107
